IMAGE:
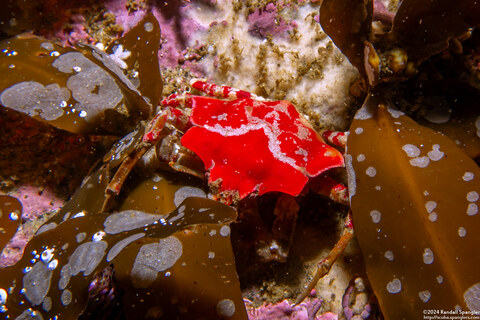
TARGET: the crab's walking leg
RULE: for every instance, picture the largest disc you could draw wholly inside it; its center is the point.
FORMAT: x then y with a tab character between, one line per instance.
331	188
115	185
324	266
338	138
222	92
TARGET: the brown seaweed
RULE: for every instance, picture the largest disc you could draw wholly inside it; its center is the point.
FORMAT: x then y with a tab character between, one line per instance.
414	191
81	90
52	278
424	27
348	23
418	228
10	215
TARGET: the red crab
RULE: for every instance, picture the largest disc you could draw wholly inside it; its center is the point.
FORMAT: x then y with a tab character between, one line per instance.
249	146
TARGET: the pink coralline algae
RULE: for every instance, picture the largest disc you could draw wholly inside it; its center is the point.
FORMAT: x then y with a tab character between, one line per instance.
264	22
285	310
36	203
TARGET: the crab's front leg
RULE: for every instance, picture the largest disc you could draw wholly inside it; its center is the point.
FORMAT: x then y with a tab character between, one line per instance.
324	266
338	192
162	133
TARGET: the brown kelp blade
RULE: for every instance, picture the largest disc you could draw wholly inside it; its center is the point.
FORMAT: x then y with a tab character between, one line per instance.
414	198
10	217
424	27
348	24
52	278
82	90
203	281
141	44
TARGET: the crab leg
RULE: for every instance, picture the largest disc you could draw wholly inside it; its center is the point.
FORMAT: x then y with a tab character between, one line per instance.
329	187
338	138
115	185
324	266
223	92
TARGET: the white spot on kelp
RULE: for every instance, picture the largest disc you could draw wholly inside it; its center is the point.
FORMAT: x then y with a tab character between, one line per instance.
468	176
376	216
371	172
472	196
225	308
35	99
428	256
352	183
411	150
472	297
394	286
421	162
435	154
389	255
225	231
185	192
433	216
425	295
394	112
66	297
430	206
462	232
361	157
148	26
3	296
472	209
153	258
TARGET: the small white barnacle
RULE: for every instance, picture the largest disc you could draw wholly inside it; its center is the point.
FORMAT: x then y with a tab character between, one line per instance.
359	130
394	286
98	236
462	232
47	255
360	157
433	216
440	279
425	295
27	269
3	296
472	196
428	256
